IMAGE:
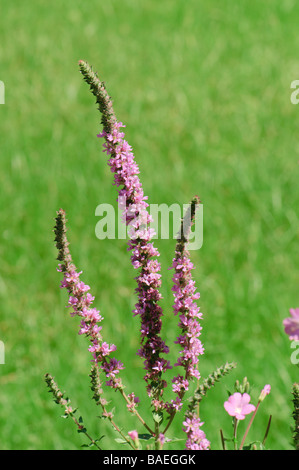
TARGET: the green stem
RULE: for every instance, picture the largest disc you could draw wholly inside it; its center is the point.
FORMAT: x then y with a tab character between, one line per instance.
81	427
135	412
235	433
157	433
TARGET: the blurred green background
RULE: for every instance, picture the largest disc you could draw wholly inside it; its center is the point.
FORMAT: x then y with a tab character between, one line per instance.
204	90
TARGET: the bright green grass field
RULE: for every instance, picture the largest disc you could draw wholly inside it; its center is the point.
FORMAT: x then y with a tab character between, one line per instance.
204	90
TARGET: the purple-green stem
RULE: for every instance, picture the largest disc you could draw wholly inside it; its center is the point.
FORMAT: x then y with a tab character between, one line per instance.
249	425
81	427
137	414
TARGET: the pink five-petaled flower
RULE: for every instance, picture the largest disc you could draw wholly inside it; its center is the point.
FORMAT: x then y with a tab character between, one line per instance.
291	324
238	405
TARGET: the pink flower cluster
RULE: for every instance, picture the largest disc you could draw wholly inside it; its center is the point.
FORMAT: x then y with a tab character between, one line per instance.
185	306
196	438
132	201
81	300
133	402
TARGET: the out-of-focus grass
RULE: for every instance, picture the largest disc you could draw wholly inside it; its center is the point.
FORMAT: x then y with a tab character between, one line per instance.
204	90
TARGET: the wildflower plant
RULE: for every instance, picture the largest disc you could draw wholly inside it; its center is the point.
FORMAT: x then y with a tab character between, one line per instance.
107	372
238	406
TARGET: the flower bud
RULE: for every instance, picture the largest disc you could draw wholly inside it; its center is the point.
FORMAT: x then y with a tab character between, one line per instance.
266	390
134	436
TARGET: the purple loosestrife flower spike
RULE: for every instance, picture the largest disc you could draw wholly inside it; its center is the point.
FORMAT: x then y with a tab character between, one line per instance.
295	392
191	347
132	201
185	306
80	300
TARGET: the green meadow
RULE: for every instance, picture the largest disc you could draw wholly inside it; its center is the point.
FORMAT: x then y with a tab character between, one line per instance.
204	91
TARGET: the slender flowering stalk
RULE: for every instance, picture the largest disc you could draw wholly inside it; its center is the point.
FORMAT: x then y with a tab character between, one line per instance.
295	392
208	383
185	306
96	387
149	279
188	311
80	300
68	410
132	201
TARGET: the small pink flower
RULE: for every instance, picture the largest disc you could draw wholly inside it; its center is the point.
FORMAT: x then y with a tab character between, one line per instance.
81	287
291	324
133	399
238	405
73	301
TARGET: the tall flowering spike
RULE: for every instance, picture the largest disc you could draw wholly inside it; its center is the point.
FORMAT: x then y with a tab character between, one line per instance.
295	392
57	394
208	383
185	306
80	300
135	215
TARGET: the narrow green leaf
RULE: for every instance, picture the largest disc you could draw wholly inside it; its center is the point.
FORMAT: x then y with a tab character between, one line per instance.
145	437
